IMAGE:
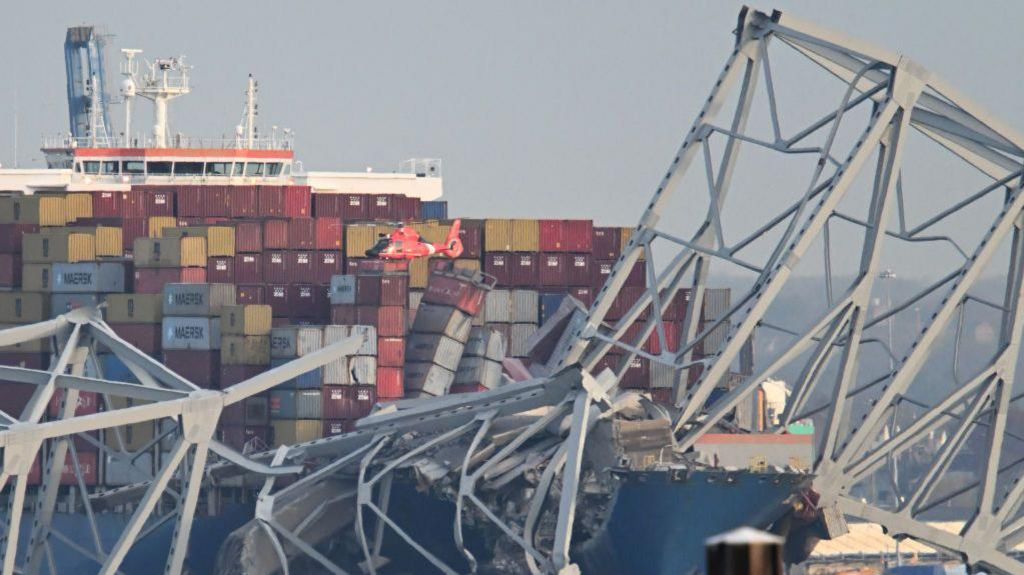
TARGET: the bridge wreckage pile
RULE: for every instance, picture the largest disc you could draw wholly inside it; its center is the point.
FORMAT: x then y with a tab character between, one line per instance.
531	470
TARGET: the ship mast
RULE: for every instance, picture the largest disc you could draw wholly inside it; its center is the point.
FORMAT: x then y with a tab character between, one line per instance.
167	79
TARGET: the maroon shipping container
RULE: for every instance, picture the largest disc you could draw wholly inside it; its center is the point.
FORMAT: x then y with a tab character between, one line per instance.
354	207
107	205
584	294
390	383
625	300
653	343
380	207
232	374
203	202
152	280
272	201
329	233
243	201
11	234
390	351
365	315
238	436
10	270
328	263
248	237
145	336
308	302
605	242
578	236
14	397
637	375
344	315
298	202
471	232
347	401
676	311
133	204
394	290
220	270
362	266
275	234
200	367
248	268
332	427
523	270
132	228
455	292
600	270
577	271
249	294
88	403
275	267
499	265
276	296
407	209
553	271
302	234
327	205
368	290
552	235
87	463
301	267
466	388
161	202
391	321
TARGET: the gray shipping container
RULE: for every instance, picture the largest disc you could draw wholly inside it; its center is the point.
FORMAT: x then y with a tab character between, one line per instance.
498	308
88	278
295	404
415	297
436	348
444	320
118	472
206	300
427	379
485	342
294	341
519	336
337	373
61	303
343	290
662	376
716	302
200	333
478	370
336	333
525	306
363	370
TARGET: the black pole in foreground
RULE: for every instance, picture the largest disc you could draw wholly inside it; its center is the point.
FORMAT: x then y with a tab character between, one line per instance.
744	551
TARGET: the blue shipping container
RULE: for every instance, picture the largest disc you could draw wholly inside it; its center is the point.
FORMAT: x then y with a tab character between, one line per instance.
309	380
436	210
549	303
114	369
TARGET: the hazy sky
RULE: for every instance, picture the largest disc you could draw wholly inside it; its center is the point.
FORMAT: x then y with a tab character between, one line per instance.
536	108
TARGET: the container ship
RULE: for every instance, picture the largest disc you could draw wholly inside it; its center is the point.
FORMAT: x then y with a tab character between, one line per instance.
223	259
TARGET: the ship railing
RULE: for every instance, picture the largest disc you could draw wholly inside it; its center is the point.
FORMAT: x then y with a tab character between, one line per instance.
422	167
64	141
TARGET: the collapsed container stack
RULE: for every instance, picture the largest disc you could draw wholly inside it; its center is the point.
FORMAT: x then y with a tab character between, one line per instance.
481	365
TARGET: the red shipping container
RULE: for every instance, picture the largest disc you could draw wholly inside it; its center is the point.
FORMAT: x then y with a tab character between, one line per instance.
11	234
144	336
368	290
605	243
275	268
332	427
676	311
248	237
308	302
523	270
220	270
298	202
87	464
328	263
344	315
152	280
394	290
329	233
193	275
577	270
200	367
327	205
471	232
347	401
455	292
553	270
10	270
232	374
272	201
499	265
390	351
301	267
162	202
244	201
354	207
248	268
552	235
248	294
302	234
365	315
578	236
107	205
653	343
275	234
203	202
238	436
391	321
276	296
88	403
390	383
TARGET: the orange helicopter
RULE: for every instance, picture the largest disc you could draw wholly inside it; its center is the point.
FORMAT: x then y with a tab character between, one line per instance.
405	244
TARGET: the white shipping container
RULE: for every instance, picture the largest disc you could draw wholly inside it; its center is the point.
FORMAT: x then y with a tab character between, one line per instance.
525	306
369	334
363	370
444	320
205	300
435	348
308	340
121	471
485	342
336	372
427	379
519	336
498	308
200	333
662	376
478	370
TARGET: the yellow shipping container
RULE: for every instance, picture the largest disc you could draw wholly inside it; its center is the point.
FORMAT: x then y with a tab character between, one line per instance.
220	241
419	272
292	431
472	265
627	234
497	235
52	210
158	223
358	239
58	246
437	233
109	242
525	236
246	319
193	252
81	248
78	206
